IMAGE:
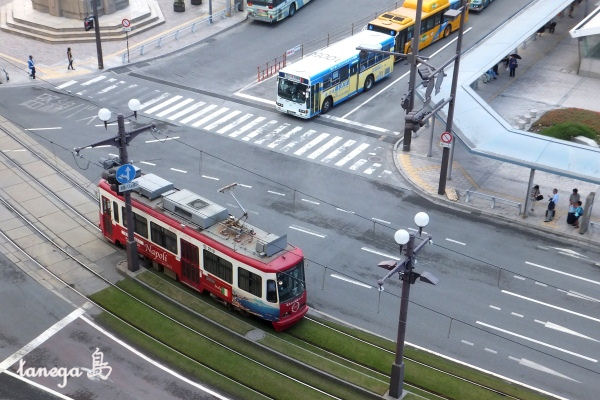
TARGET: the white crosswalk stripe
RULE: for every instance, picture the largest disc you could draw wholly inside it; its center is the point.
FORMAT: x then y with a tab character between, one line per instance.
94	80
258	131
247	127
210	116
222	120
163	104
108	89
291	144
197	114
153	100
334	154
66	84
352	154
274	133
186	111
284	137
311	144
174	107
235	123
324	148
372	168
357	164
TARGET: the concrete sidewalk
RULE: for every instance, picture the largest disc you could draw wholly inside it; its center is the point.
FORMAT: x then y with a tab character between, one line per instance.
546	79
51	62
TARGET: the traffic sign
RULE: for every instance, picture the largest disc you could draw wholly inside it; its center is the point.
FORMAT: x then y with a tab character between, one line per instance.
128	186
446	137
128	29
126	23
125	173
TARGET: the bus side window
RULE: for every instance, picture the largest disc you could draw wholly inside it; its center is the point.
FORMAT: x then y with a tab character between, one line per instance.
353	69
344	73
271	291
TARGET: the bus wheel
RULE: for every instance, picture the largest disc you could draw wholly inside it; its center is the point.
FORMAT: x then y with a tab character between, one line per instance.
327	105
292	10
369	82
447	31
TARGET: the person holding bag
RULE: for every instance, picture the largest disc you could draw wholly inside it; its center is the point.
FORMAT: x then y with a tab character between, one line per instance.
552	205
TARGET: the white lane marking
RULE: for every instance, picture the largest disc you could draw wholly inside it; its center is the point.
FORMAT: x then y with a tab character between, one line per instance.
579	295
304	230
163	104
52	128
178	170
466	342
541	284
346	211
383	221
153	362
107	89
359	163
210	116
198	113
374	167
563	273
311	144
213	178
518	277
352	154
495	307
14	151
516	314
175	107
540	367
556	327
111	124
259	130
161	140
186	111
572	353
343	278
244	128
154	100
93	80
147	163
66	84
550	305
324	148
490	350
284	137
347	121
446	357
38	386
273	133
245	186
248	96
316	203
455	241
276	193
379	253
40	339
305	136
225	118
235	123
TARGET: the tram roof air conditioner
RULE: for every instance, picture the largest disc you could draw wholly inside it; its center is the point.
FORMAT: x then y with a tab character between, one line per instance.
272	244
195	208
152	186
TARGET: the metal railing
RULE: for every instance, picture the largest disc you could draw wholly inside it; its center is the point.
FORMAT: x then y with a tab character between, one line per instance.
158	42
492	199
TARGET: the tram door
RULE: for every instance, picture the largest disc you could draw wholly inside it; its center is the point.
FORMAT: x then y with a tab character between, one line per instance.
106	218
190	269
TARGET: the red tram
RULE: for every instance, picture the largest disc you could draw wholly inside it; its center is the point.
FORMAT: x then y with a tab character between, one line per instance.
203	246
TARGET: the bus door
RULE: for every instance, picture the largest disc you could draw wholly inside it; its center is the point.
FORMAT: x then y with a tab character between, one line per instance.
354	72
315	98
190	269
107	227
401	39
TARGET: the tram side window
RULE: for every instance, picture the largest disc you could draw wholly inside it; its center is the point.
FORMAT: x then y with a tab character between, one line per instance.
115	211
163	237
140	225
271	291
250	282
217	266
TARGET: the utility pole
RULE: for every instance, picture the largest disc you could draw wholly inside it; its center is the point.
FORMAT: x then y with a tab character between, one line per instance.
97	31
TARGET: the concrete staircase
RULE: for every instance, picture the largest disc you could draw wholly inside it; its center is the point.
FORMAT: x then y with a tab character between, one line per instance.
20	18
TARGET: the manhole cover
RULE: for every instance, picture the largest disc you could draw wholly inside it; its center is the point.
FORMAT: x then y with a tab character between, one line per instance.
255	334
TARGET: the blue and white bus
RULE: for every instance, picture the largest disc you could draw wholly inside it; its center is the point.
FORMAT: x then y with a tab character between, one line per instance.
316	83
273	10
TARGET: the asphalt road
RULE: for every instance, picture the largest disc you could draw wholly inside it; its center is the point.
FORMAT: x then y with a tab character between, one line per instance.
509	301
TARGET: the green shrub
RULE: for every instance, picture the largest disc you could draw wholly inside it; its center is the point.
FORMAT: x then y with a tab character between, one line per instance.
568	130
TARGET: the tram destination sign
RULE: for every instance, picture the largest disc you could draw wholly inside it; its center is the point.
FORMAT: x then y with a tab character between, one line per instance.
126	187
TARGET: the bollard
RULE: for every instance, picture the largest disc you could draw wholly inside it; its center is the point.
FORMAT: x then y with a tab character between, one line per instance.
533	113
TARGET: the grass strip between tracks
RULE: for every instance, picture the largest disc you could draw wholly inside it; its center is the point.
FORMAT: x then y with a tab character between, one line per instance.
261	375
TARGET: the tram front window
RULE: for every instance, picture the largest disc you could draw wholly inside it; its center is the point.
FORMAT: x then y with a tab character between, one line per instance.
291	90
291	282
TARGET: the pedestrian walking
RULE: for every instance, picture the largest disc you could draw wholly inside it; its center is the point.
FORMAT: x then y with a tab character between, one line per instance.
31	66
552	205
535	195
495	69
512	65
70	59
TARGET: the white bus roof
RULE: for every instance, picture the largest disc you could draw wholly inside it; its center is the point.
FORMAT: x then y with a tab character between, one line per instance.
327	58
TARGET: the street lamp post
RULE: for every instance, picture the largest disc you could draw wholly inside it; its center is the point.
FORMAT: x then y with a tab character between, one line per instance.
121	141
404	267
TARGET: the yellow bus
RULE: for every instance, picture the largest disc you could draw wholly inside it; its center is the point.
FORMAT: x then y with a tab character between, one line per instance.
434	25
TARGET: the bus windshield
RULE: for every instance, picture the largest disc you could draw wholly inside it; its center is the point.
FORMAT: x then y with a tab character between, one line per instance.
290	90
291	282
